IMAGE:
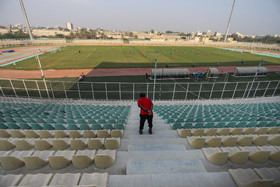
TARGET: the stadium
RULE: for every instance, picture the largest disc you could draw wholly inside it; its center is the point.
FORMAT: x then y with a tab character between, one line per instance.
216	113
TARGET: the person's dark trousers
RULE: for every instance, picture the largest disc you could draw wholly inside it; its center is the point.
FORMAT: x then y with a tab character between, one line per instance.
143	119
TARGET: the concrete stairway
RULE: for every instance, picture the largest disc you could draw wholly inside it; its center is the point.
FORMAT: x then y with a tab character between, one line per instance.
161	159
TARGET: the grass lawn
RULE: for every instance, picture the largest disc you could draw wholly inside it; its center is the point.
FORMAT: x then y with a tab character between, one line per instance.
134	56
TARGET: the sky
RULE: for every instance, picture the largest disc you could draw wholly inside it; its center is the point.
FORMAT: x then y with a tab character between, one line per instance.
250	17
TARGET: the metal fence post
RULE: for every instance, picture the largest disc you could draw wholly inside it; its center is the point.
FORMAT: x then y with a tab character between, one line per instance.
52	89
23	82
199	91
133	91
106	90
234	90
120	91
38	89
2	91
245	90
13	87
65	90
147	89
256	89
92	91
174	89
275	89
212	91
266	88
78	85
223	90
187	92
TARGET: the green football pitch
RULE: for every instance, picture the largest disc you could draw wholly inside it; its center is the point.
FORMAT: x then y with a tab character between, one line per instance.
83	57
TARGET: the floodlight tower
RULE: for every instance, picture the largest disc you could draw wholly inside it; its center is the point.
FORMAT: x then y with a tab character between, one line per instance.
26	20
229	21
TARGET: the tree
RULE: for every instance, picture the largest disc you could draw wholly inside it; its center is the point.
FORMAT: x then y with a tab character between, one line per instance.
130	34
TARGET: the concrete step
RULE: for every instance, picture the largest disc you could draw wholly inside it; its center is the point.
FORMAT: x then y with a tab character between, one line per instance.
134	134
162	147
125	142
197	179
164	166
155	127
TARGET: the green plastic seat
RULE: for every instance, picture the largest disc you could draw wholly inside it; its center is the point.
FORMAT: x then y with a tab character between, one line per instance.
231	125
170	120
19	120
91	121
112	121
101	121
10	120
208	119
187	125
73	127
176	126
198	125
244	119
253	119
220	125
272	124
13	126
81	121
165	117
251	124
2	126
84	127
218	119
120	126
241	124
180	120
59	127
189	119
50	121
60	120
24	126
36	127
235	119
226	119
70	121
121	121
48	127
199	119
39	120
29	120
96	127
108	126
209	125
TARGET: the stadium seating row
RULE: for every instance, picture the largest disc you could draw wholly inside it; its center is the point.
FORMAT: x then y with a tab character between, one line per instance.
60	133
60	126
243	124
227	131
59	144
56	111
230	141
220	110
240	155
59	179
267	177
57	159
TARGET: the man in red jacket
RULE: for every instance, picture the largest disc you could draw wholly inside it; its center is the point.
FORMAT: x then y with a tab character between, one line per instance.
146	112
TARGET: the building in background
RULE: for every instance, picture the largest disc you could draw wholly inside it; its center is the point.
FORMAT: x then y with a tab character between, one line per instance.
69	26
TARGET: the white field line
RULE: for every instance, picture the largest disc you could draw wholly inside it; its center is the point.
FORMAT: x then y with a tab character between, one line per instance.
91	52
